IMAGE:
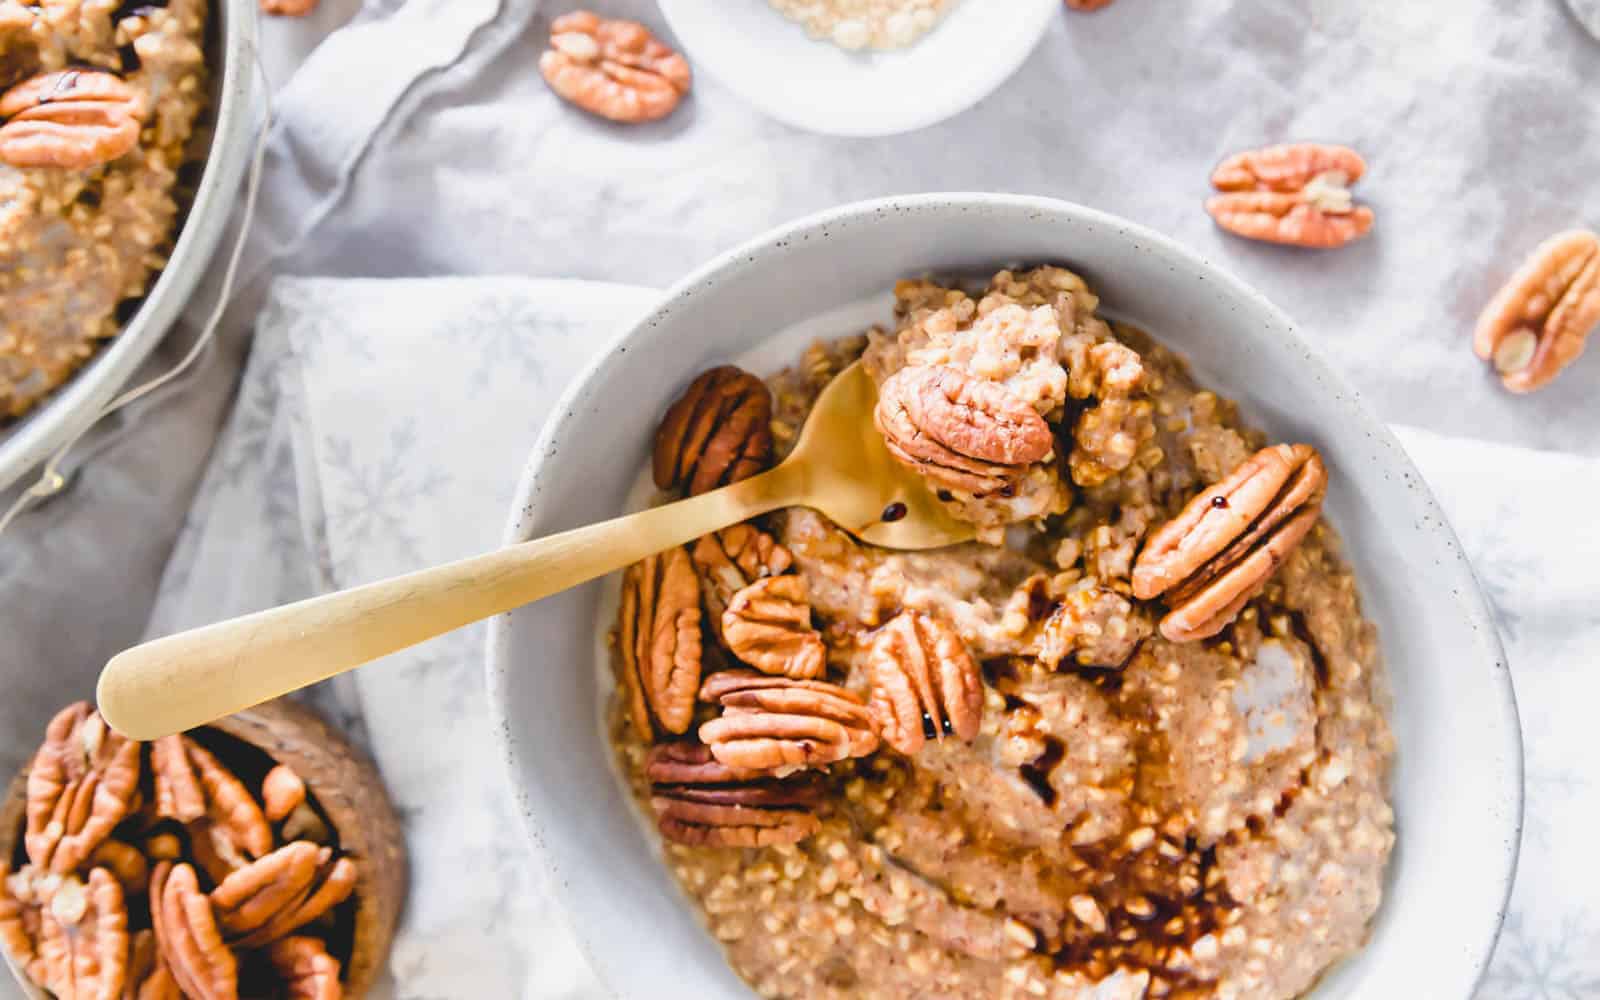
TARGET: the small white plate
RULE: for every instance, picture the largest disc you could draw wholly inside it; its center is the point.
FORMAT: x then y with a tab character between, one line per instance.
813	84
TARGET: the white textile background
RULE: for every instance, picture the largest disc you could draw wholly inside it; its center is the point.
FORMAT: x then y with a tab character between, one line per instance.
418	140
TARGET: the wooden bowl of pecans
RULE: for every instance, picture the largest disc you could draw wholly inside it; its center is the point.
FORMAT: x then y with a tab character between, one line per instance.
255	857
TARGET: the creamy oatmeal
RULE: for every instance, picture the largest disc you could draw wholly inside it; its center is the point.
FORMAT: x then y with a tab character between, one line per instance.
1132	743
99	101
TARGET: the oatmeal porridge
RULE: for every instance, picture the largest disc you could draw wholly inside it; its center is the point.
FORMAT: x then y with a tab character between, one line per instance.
1129	743
98	100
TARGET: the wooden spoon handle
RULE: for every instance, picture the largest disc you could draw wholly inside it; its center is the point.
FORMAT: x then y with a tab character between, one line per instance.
185	680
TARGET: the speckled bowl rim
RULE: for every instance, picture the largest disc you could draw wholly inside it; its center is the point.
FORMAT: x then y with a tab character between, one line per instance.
74	405
526	505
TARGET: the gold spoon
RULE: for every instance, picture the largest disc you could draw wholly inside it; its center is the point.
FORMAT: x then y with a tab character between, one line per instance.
839	467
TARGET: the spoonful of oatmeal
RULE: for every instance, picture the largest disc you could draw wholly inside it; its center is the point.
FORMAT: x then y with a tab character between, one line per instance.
889	468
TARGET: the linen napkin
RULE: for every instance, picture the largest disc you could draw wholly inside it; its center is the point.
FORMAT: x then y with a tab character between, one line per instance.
382	426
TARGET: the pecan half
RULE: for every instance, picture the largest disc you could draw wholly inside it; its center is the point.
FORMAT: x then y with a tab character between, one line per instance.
659	641
925	684
281	892
307	970
718	432
148	976
187	936
19	925
702	802
125	863
80	786
289	8
1088	4
234	830
780	725
178	792
615	69
959	431
83	939
1537	324
1297	194
730	560
73	119
282	792
768	625
1224	545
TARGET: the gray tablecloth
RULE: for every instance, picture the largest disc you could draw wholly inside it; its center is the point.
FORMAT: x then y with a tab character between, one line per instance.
419	140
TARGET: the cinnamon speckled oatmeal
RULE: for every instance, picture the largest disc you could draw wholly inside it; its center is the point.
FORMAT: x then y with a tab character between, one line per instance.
1132	744
100	99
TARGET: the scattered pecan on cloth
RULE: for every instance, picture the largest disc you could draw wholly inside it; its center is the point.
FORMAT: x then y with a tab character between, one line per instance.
1297	194
1226	543
614	69
1538	323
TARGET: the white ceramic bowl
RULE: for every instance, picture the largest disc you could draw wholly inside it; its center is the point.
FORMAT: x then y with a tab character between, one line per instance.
1458	780
769	61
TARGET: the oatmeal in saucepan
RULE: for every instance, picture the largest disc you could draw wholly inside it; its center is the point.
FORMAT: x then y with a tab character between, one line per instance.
1130	743
97	102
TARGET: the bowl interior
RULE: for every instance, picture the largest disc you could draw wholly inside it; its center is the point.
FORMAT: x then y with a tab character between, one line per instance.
823	88
1457	783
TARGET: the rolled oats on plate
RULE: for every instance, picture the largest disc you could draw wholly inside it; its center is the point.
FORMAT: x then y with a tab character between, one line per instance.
866	24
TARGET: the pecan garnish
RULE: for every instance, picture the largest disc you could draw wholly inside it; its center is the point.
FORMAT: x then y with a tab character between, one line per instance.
925	684
959	431
281	892
1224	545
282	792
148	976
730	560
1537	324
779	725
1297	194
718	432
702	802
615	69
73	119
187	936
83	938
1088	4
658	638
81	784
307	970
768	625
